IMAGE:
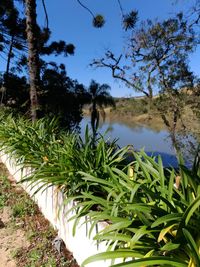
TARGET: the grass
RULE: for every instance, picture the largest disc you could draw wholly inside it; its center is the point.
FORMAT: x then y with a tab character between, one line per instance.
25	214
5	194
25	207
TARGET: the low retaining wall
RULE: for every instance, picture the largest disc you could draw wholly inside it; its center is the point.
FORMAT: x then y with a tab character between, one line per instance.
50	202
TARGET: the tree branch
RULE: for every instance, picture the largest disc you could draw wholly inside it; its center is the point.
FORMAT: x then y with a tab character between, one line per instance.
86	8
46	14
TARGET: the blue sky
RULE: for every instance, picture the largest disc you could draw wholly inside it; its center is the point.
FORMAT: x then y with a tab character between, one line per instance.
70	22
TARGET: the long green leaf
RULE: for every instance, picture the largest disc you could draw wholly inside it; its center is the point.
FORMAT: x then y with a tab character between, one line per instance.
193	247
151	261
167	218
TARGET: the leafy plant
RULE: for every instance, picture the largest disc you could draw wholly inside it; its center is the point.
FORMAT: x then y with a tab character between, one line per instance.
57	158
152	213
149	219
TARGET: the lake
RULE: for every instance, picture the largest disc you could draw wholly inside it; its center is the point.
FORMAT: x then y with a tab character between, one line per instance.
141	137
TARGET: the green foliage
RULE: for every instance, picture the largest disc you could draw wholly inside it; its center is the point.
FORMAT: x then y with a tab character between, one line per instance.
5	186
98	21
24	207
129	20
18	135
149	219
131	106
61	96
152	213
99	97
57	157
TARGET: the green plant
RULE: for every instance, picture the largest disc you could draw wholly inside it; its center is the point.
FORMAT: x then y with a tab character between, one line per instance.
152	212
24	207
95	160
149	219
70	156
55	157
5	193
34	256
27	141
32	144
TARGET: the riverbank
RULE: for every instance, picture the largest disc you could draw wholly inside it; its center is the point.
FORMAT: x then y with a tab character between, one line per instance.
130	119
128	112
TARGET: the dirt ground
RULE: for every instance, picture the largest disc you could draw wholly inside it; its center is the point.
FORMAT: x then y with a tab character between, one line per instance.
26	237
11	239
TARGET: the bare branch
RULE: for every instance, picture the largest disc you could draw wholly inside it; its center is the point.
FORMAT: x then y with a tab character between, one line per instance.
46	14
117	71
86	8
120	7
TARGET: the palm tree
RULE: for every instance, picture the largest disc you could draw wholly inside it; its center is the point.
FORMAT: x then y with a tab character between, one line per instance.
99	97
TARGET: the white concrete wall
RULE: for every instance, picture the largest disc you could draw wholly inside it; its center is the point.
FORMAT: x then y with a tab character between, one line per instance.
50	202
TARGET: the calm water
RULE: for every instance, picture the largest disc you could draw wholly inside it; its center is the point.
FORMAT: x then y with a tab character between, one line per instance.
141	137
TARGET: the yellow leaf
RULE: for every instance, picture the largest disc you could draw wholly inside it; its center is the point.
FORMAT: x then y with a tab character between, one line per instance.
165	231
45	159
130	172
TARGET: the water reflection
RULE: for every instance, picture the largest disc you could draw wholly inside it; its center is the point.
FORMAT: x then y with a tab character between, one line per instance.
153	141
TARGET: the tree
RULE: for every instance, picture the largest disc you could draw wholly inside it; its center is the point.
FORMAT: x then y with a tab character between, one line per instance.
33	55
36	40
37	44
156	62
150	46
12	38
61	96
33	58
99	97
193	13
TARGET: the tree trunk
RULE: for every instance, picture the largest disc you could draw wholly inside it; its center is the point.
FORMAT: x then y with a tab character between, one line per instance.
172	128
33	55
149	107
6	74
94	120
150	100
9	55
